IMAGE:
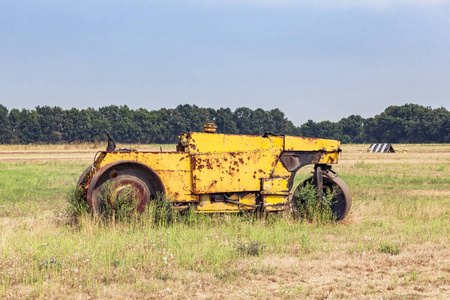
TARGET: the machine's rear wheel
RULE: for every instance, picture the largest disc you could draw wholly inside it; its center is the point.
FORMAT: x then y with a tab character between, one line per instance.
333	187
123	185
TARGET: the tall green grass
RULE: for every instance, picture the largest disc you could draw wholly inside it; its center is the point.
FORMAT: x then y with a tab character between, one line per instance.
28	189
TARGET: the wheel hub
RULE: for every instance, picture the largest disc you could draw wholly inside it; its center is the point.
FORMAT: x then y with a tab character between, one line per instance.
128	190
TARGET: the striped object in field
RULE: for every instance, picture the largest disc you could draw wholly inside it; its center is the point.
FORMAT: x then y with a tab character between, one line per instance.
383	148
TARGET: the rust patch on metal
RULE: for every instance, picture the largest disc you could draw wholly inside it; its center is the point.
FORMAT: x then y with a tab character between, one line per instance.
197	164
194	163
274	162
213	183
226	169
209	165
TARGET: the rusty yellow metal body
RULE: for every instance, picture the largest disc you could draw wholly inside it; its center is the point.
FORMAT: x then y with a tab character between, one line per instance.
215	172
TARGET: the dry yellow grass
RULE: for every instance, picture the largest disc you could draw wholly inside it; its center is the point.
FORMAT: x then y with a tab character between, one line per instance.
393	245
71	152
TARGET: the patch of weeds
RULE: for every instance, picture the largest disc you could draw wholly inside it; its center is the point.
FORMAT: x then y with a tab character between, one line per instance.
393	249
360	164
161	211
413	276
225	275
116	205
268	270
253	271
271	218
162	274
76	198
190	218
77	206
305	242
309	206
49	264
442	168
115	262
120	203
354	249
254	248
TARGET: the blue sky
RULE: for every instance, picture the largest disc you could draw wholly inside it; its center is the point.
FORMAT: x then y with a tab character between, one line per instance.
319	60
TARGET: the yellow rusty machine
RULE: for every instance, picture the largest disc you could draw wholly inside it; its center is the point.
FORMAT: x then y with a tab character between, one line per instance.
214	172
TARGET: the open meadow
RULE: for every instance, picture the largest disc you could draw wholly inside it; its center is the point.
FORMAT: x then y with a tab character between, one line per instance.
395	243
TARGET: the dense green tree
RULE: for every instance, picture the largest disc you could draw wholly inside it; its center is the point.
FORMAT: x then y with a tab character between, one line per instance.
242	118
75	126
330	130
146	125
53	122
352	129
278	123
408	123
258	122
429	126
309	129
14	121
29	128
126	129
5	127
225	122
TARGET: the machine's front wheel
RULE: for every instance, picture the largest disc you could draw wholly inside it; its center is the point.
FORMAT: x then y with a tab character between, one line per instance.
83	175
82	181
123	186
123	192
335	194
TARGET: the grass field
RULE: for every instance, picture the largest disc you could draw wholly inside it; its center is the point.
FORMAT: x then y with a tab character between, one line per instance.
395	243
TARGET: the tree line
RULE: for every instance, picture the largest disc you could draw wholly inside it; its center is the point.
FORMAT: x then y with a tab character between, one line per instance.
409	123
